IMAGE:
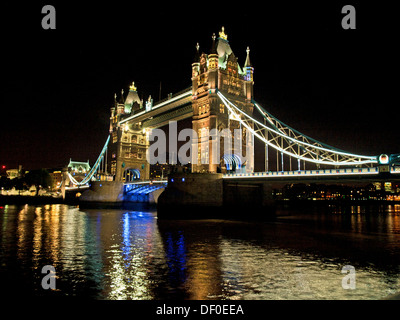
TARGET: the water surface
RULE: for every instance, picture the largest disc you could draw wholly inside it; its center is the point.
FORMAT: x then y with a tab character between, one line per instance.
125	254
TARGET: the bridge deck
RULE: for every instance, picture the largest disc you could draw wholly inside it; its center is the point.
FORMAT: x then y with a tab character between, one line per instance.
164	107
280	175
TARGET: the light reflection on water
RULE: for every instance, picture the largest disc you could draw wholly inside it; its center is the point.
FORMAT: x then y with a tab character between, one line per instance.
122	254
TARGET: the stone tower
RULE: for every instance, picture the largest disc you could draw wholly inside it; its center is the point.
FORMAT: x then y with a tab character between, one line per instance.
219	70
128	144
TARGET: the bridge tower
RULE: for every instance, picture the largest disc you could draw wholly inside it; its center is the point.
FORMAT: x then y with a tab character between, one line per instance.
220	71
128	144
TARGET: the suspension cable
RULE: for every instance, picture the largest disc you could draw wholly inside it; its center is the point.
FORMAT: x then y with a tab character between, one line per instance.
320	158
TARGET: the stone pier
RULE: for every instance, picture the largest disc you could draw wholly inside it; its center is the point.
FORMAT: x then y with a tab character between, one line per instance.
105	192
208	196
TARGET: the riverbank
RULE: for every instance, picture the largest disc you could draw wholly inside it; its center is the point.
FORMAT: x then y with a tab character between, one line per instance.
42	200
14	199
342	203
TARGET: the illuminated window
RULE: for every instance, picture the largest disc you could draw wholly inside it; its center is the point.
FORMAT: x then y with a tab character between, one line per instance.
204	132
221	108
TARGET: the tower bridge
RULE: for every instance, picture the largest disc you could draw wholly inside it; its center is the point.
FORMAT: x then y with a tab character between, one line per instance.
221	99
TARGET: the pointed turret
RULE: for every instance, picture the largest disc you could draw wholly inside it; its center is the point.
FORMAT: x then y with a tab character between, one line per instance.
121	98
197	54
213	56
113	108
132	101
248	68
120	104
196	62
223	48
247	63
213	47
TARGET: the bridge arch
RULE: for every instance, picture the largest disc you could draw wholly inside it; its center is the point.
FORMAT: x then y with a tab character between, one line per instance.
131	174
232	162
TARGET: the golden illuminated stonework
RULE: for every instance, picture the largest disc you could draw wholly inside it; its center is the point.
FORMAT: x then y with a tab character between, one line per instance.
222	34
132	87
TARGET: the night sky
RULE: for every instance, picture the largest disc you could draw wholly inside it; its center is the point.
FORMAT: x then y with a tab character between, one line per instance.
337	86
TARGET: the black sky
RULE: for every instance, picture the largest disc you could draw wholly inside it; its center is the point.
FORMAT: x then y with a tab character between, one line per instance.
337	86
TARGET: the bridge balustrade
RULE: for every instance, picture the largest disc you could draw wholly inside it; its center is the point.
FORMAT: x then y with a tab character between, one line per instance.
348	171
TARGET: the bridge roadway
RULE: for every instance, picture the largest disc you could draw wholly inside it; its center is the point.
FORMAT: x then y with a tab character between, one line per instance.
176	107
324	175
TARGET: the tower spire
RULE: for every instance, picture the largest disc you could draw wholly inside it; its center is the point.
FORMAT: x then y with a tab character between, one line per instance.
197	55
247	63
121	100
213	56
195	64
213	47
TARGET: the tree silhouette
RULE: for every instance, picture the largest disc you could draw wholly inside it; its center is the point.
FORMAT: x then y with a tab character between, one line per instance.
38	178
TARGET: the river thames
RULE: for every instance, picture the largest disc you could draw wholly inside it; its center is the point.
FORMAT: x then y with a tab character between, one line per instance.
125	254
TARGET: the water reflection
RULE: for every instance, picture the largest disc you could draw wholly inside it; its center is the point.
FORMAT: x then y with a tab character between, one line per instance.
176	258
118	254
135	252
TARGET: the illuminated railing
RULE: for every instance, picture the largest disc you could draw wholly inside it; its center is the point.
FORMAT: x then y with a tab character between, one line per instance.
305	173
395	170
